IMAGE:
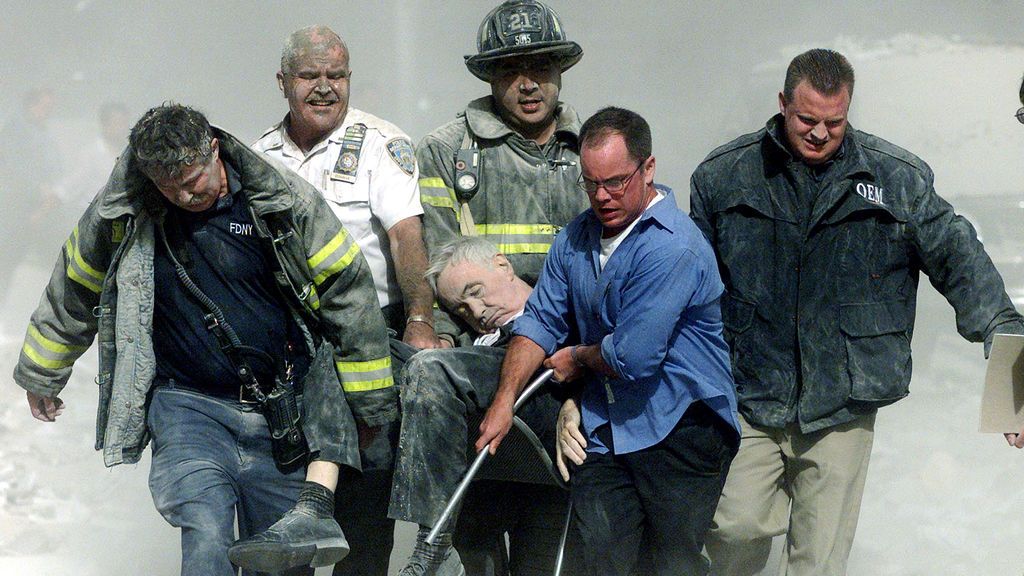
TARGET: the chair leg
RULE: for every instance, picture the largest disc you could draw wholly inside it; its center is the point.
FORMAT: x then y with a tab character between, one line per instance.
561	545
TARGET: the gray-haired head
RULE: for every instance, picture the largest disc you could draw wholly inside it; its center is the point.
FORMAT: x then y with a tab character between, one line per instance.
471	249
169	138
306	40
827	71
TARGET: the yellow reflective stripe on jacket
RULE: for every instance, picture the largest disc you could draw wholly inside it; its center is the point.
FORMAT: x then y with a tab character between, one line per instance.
519	238
78	269
365	376
49	353
434	192
334	257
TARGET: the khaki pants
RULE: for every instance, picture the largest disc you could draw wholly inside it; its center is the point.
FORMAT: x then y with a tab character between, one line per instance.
808	486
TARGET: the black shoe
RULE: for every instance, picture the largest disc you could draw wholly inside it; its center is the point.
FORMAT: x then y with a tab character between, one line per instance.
450	566
297	539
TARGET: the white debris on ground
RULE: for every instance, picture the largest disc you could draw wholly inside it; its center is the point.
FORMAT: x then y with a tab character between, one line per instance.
61	511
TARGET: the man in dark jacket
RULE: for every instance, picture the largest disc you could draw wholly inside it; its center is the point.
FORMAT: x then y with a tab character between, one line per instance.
821	232
191	216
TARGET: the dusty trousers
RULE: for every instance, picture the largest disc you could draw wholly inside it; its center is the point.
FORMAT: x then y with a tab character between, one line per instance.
440	390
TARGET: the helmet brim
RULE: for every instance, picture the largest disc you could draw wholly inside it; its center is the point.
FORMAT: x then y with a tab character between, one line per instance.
567	54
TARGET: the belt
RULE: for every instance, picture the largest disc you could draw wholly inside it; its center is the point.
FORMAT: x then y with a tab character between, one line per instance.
242	396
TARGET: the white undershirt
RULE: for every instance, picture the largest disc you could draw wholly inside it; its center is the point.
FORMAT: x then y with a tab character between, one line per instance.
609	245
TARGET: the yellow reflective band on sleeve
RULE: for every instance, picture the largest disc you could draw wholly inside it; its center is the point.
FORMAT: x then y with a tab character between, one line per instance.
519	238
49	353
54	346
45	362
365	376
334	257
368	385
435	192
78	269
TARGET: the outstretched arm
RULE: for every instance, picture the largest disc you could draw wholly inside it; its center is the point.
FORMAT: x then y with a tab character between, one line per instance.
524	357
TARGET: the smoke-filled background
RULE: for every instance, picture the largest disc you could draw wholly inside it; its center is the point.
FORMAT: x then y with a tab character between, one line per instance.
938	78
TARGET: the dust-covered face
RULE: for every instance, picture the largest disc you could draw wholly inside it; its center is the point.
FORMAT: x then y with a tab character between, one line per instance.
195	188
317	88
483	296
526	89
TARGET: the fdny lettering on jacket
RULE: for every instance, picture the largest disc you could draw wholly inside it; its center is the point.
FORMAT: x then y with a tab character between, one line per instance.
240	228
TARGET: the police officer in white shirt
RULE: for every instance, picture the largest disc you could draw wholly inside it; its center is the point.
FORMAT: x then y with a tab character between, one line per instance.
366	169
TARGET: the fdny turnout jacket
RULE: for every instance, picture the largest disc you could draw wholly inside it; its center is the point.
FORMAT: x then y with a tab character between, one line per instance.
103	283
819	309
526	195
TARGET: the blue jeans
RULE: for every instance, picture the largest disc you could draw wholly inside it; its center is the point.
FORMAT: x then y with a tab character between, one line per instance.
212	460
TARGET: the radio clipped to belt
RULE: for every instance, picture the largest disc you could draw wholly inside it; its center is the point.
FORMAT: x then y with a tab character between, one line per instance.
279	406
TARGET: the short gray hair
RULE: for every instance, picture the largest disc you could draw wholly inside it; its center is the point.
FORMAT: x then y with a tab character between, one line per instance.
302	40
473	249
170	138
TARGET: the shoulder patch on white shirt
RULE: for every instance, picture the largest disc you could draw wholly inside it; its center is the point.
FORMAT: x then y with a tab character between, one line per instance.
400	150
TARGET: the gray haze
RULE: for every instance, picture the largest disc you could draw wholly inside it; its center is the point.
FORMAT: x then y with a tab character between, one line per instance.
938	78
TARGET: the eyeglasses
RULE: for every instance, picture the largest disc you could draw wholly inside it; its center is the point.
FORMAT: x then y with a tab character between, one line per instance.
1020	115
611	185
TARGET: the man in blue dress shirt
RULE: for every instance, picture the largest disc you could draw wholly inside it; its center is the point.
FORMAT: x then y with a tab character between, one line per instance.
628	306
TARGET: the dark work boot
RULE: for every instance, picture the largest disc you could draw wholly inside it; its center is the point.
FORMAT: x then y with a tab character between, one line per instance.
438	559
307	535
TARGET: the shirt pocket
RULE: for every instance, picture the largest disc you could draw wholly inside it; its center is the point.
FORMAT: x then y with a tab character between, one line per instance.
748	239
877	340
737	318
873	254
347	193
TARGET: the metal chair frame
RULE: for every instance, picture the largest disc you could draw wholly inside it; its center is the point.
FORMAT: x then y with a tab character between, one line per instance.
505	466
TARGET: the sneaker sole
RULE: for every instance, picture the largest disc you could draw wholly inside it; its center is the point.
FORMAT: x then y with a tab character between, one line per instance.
276	557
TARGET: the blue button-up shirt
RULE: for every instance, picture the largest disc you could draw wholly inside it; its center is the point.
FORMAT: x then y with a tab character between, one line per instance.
654	310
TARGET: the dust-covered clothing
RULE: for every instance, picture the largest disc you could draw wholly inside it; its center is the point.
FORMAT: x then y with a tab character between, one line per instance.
103	284
821	265
526	192
821	273
441	391
366	169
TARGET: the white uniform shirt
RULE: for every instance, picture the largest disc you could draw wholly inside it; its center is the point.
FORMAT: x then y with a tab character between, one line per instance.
385	190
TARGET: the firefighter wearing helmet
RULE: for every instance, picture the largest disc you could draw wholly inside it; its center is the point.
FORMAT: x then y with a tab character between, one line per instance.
520	28
505	169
